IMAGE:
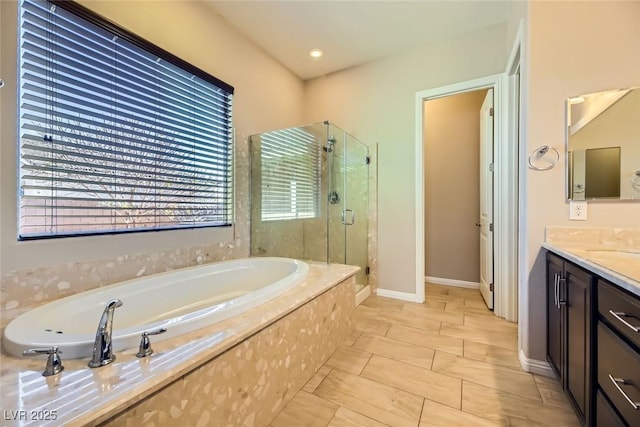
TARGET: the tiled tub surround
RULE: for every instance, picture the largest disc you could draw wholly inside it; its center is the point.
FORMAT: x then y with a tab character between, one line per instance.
240	371
597	249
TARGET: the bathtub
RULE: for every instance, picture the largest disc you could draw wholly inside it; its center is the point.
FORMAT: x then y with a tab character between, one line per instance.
180	301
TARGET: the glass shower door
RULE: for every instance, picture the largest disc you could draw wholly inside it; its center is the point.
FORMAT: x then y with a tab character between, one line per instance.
356	206
348	202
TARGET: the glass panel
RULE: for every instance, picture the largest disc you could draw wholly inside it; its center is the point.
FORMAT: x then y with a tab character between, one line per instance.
288	216
356	206
335	200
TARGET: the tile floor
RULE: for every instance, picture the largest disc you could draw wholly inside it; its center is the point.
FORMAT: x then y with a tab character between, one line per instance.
448	362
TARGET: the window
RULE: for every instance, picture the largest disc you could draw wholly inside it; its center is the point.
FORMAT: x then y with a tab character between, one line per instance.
116	134
290	174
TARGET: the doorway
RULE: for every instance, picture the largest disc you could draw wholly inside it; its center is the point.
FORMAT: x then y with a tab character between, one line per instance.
458	139
505	185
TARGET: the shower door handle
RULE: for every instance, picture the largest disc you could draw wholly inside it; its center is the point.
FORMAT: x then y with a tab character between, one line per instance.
352	219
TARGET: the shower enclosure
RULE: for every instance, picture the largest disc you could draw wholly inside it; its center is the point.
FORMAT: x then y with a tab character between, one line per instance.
310	196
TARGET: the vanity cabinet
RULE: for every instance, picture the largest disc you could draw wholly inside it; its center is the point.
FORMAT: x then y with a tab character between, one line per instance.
618	366
570	328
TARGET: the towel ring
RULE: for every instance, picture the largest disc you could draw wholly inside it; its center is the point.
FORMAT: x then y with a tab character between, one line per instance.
635	180
543	158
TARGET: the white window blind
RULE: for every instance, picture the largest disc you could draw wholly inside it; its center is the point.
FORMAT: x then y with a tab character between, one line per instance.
115	134
290	174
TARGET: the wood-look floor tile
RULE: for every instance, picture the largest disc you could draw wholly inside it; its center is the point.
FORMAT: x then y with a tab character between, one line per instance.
316	379
509	409
427	339
353	337
349	359
375	301
487	374
419	381
551	392
306	410
371	326
464	292
384	404
491	354
434	305
423	311
454	299
413	320
498	339
347	418
476	302
397	350
436	414
459	307
492	323
431	288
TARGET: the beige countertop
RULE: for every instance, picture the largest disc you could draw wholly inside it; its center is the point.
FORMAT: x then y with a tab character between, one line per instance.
80	395
613	254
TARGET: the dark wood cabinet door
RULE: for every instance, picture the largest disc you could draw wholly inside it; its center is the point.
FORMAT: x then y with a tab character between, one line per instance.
555	337
577	285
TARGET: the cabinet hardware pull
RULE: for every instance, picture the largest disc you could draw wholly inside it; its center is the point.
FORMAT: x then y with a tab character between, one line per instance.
616	382
619	315
555	290
560	301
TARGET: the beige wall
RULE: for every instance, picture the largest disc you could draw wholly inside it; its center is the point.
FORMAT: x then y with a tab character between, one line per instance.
376	103
574	48
452	191
190	30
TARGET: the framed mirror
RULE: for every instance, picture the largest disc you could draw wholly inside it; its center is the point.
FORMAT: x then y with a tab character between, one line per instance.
603	145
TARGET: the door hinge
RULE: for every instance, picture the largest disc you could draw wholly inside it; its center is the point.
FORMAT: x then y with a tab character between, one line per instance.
367	160
491	227
491	111
491	287
490	167
367	270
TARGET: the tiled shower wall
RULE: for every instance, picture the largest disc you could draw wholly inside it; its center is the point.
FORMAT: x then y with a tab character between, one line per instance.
307	238
22	290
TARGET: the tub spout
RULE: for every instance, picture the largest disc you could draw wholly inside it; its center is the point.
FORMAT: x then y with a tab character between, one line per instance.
102	349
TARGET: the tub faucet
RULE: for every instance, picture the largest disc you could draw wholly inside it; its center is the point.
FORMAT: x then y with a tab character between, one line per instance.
102	349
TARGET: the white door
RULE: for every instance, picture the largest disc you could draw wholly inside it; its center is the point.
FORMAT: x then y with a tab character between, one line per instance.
486	199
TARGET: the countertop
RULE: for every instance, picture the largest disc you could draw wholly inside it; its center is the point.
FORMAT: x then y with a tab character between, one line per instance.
79	395
619	264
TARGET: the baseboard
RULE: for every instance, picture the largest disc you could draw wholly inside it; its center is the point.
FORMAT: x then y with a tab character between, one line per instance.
404	296
534	366
362	295
452	282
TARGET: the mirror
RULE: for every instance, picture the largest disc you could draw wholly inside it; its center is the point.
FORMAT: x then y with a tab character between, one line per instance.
603	145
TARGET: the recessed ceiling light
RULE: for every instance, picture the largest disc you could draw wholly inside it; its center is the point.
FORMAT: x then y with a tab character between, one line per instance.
315	53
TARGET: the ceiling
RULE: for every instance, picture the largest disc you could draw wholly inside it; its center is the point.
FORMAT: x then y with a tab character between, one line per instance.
353	32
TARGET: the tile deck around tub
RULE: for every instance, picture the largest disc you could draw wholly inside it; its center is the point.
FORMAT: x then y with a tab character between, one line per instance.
448	362
83	396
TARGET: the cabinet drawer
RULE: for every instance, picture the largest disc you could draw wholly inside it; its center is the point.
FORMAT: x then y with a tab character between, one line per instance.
617	361
621	310
606	416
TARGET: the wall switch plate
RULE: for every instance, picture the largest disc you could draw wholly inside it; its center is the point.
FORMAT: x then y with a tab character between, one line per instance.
577	210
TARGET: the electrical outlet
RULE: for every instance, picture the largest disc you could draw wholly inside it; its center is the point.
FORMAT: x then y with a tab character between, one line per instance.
577	210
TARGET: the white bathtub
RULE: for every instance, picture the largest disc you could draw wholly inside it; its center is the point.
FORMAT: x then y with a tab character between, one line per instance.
181	301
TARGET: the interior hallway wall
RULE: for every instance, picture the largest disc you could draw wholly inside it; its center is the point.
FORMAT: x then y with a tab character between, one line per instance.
452	190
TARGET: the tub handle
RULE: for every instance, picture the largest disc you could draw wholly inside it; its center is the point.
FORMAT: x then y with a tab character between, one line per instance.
54	361
145	343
